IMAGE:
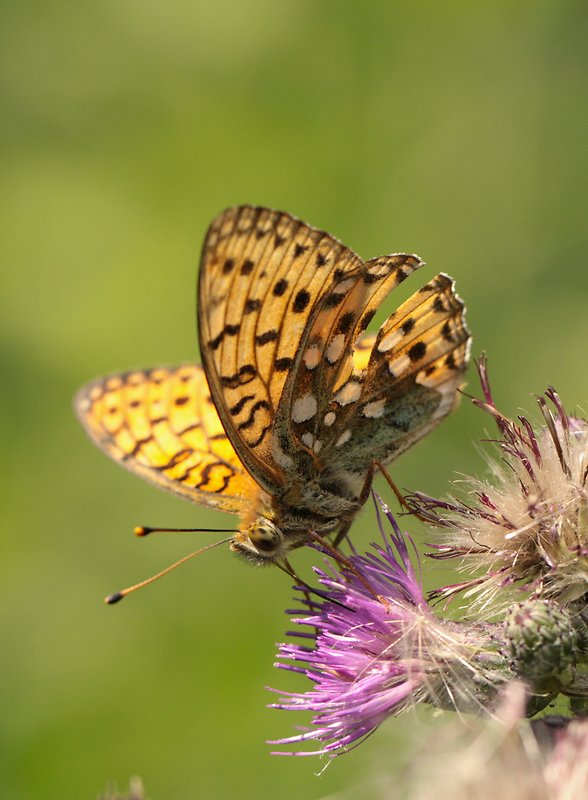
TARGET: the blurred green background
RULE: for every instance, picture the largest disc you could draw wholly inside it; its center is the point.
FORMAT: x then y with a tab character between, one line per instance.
455	130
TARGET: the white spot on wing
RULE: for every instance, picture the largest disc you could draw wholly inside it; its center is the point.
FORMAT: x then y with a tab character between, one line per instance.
335	348
350	393
304	408
330	417
281	459
389	341
375	409
399	365
345	437
312	357
344	286
307	439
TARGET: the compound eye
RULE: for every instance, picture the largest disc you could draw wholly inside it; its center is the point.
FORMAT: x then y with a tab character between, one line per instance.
265	542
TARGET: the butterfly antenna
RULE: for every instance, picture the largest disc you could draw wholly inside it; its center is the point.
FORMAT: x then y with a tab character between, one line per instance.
118	596
143	530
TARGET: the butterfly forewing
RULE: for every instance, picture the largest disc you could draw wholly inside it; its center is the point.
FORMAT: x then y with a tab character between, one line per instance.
162	424
262	274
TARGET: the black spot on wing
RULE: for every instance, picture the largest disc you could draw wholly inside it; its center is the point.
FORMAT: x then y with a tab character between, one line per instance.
280	287
282	364
417	351
407	325
244	375
238	407
266	337
301	301
252	304
251	418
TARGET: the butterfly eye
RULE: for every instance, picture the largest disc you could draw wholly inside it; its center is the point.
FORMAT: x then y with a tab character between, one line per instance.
265	543
266	537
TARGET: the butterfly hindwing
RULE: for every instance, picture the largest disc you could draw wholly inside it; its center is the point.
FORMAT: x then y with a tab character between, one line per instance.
356	401
162	424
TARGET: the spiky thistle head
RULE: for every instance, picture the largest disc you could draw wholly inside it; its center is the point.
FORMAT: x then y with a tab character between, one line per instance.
375	647
528	525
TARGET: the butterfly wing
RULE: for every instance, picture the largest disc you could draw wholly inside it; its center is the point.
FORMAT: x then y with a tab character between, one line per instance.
262	275
373	398
162	425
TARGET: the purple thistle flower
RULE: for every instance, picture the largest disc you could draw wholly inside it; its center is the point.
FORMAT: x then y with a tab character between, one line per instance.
377	648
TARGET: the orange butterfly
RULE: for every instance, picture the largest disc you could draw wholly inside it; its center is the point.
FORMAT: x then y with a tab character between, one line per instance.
294	406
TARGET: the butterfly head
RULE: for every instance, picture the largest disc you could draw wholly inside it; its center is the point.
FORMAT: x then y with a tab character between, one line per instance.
261	543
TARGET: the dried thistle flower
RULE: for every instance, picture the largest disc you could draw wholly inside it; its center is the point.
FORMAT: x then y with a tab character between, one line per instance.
507	757
528	527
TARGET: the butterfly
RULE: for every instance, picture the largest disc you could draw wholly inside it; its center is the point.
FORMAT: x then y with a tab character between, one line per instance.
294	406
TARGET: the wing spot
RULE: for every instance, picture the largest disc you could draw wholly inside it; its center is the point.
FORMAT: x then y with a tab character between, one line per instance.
134	404
366	319
349	393
238	407
266	337
299	249
334	299
345	437
439	305
244	375
282	364
388	342
375	409
446	332
280	287
213	344
346	322
450	361
335	348
321	260
304	408
181	401
417	351
408	325
301	301
312	357
252	304
279	240
307	439
330	417
251	418
228	266
247	267
281	459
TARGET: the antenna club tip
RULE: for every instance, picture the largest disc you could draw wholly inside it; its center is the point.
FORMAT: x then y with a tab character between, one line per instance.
141	530
113	598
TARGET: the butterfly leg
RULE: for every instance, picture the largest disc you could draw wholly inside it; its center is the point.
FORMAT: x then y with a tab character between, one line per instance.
397	492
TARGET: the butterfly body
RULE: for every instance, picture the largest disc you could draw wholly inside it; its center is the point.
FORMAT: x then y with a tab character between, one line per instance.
294	404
